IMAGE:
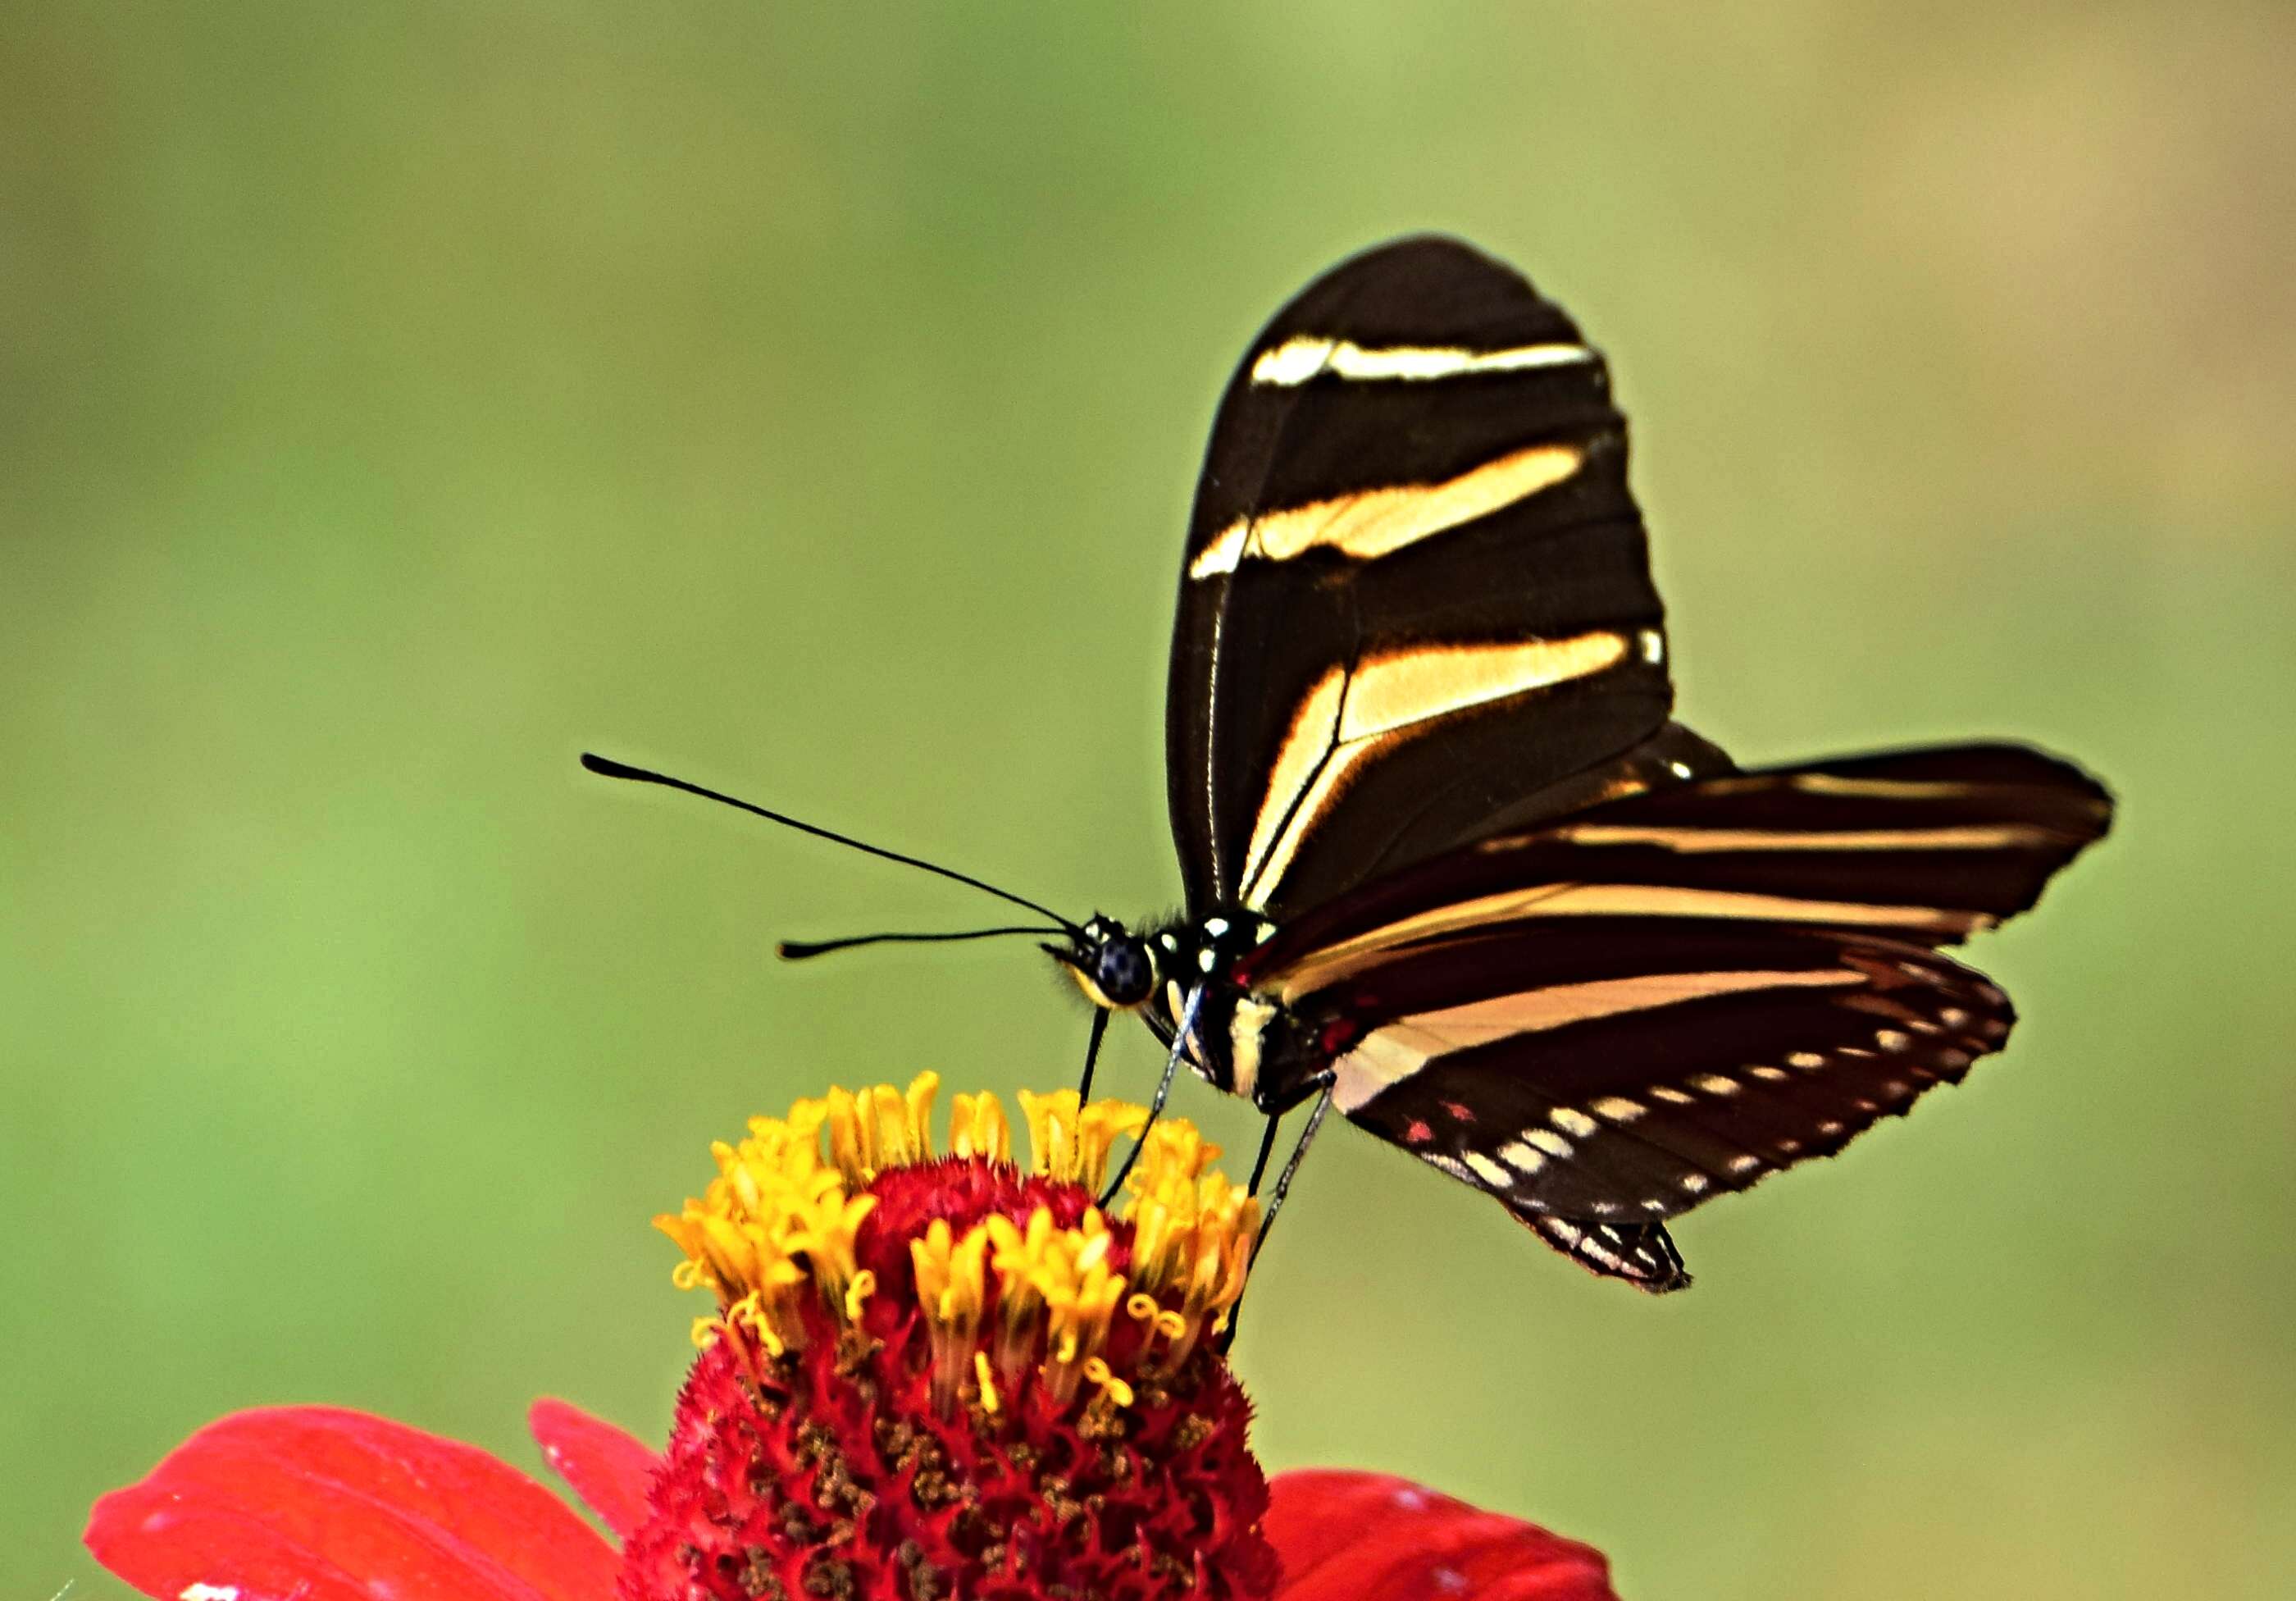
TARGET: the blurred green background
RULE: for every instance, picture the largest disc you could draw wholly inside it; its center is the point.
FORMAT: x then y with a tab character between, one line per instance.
395	400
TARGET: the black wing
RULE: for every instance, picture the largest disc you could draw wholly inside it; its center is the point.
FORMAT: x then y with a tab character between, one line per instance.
1608	1019
1416	598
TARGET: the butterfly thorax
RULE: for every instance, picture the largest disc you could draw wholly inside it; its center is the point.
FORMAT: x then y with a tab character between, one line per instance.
1243	1041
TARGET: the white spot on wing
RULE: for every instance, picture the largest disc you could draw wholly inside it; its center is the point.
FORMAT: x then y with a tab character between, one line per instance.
1490	1171
1344	716
1879	789
1571	1121
1247	1027
1586	899
207	1592
1686	839
1522	1158
1370	523
1555	1005
1303	356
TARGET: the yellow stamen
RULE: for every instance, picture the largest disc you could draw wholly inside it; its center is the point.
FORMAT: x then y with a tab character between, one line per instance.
977	1129
1192	1233
1071	1143
1103	1379
953	1292
880	1127
776	1233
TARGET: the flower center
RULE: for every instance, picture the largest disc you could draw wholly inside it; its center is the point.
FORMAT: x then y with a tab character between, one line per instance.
937	1376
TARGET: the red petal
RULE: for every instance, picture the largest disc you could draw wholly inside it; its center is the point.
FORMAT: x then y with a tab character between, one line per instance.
609	1468
321	1505
1366	1537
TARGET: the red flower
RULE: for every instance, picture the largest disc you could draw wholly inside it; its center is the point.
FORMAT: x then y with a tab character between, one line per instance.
929	1380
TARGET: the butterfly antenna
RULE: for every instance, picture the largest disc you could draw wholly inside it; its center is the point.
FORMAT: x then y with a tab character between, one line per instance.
797	950
608	768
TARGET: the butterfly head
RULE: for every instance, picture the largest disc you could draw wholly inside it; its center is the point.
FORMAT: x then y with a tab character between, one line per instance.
1116	968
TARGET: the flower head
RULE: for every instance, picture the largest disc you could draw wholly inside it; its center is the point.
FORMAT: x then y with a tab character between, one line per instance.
937	1375
928	1378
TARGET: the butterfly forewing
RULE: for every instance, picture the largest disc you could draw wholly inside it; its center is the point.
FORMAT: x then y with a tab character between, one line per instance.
1415	594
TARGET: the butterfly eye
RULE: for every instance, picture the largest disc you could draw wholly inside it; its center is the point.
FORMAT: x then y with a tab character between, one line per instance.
1124	971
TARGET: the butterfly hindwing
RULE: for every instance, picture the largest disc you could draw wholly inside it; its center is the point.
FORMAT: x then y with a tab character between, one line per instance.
1417	591
1616	1017
1643	1093
1641	1253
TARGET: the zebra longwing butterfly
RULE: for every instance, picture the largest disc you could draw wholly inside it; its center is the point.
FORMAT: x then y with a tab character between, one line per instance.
1449	866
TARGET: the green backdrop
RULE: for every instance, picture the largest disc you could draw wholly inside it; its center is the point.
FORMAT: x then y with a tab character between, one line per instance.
395	400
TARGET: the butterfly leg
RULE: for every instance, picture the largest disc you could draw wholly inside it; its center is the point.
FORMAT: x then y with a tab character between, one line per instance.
1292	1163
1092	1054
1163	1087
1282	1184
1267	1148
